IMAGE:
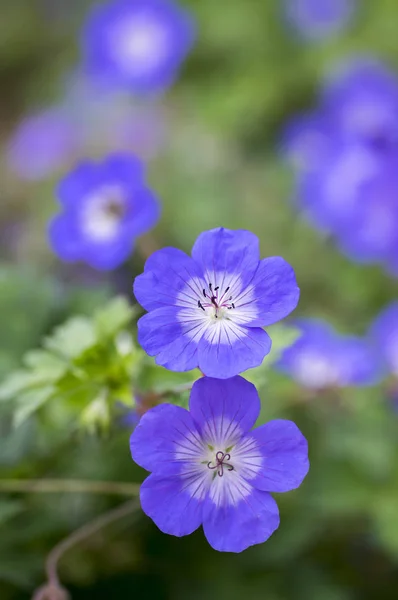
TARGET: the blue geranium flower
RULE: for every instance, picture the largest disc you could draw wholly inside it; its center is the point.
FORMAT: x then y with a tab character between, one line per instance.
42	144
209	310
384	333
137	44
105	207
210	468
322	358
316	19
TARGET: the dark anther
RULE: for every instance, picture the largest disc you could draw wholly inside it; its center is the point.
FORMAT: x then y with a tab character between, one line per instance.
204	292
210	286
233	305
216	288
226	290
220	464
200	305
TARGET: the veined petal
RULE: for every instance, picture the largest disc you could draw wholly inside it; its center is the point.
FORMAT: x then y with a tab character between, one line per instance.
157	329
174	504
284	450
236	516
273	291
166	440
226	251
227	349
223	409
166	275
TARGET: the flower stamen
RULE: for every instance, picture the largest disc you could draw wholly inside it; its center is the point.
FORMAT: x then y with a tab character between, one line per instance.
221	457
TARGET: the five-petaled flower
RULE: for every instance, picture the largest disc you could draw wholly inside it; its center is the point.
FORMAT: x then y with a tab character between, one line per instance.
138	45
210	468
105	207
208	311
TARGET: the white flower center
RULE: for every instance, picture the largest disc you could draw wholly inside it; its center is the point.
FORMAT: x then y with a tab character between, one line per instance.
314	370
139	44
102	213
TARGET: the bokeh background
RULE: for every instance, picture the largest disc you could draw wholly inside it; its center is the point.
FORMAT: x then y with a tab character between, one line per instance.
212	143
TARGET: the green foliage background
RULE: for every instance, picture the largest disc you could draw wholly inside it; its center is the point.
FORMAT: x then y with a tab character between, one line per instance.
68	353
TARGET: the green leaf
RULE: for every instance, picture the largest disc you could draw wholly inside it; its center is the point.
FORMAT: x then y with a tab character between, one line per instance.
71	339
113	317
30	401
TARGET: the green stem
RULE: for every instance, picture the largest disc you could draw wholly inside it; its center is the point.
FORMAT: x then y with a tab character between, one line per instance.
53	589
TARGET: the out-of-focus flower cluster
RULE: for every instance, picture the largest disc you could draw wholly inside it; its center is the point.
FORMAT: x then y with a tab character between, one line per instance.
346	158
323	358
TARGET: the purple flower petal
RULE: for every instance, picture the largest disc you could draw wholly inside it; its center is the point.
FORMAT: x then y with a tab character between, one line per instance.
64	237
164	279
158	329
230	349
275	290
226	408
227	251
284	452
174	505
77	184
250	519
164	439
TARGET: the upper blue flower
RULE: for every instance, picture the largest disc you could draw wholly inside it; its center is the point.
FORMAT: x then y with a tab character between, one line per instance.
315	19
105	207
210	468
137	44
208	311
361	100
384	333
322	358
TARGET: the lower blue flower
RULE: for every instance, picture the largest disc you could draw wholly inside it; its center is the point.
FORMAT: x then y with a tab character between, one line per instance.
210	468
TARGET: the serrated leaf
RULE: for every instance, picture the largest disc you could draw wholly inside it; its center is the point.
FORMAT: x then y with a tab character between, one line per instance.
30	401
19	381
113	317
71	339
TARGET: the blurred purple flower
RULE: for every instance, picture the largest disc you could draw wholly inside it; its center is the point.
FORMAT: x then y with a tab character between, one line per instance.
322	358
384	333
370	235
42	144
361	99
112	120
330	193
317	19
105	207
305	140
137	45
